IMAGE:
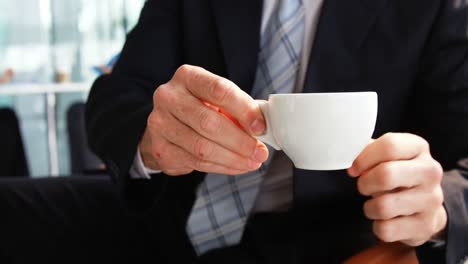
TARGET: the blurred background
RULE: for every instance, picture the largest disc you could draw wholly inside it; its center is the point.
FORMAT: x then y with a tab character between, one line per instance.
50	53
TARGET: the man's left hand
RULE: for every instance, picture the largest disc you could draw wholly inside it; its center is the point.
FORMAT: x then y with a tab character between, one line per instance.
403	181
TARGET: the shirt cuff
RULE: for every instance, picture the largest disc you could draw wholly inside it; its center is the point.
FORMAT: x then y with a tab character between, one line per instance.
139	170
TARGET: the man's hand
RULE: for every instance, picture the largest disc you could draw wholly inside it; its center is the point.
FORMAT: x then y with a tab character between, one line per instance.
203	122
403	180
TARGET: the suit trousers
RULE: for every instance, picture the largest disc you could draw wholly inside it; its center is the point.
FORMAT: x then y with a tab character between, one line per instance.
67	220
86	220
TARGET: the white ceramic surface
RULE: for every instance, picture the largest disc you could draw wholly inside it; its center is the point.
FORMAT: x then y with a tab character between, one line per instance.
320	131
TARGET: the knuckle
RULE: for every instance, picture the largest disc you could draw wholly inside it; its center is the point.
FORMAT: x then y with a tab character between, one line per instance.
248	116
196	74
203	149
384	231
222	91
184	70
209	122
390	144
435	172
163	94
423	144
155	121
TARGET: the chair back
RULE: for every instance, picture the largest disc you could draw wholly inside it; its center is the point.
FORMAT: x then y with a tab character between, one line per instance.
83	160
13	160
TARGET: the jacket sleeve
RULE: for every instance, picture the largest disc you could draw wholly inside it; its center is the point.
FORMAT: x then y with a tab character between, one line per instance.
440	108
119	104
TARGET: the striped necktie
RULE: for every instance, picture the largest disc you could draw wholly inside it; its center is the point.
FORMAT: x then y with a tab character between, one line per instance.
224	202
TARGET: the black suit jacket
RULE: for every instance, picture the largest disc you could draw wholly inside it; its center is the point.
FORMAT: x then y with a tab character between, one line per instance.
414	54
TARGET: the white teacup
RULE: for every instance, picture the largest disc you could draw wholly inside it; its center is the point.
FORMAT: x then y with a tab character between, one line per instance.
320	131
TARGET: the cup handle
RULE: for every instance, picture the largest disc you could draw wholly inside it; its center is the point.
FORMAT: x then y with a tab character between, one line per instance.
268	137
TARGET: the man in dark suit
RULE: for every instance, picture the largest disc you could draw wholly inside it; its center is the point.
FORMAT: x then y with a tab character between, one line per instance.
178	112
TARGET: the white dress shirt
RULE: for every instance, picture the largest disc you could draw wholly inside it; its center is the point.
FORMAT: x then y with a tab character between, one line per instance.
281	165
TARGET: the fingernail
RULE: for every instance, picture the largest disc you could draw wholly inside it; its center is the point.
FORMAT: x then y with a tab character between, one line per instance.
258	127
260	154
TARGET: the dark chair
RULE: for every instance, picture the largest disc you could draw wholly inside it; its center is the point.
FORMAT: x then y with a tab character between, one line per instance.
83	161
13	160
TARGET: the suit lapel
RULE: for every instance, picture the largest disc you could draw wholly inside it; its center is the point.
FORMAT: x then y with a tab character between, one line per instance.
238	24
343	28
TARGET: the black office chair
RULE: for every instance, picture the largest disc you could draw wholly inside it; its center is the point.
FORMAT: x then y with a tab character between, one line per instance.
13	160
83	161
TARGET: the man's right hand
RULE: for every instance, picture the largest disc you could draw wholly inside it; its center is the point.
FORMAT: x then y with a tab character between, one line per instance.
203	122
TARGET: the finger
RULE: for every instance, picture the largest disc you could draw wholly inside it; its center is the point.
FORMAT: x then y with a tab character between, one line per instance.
409	229
219	129
230	117
226	114
202	148
389	147
403	203
391	175
169	156
173	160
224	94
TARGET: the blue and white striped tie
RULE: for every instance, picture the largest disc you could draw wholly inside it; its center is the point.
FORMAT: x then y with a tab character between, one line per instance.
224	202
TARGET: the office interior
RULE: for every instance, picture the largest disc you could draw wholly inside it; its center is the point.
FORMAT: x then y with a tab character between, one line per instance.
53	50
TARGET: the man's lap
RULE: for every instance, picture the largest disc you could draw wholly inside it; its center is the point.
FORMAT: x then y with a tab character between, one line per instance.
84	220
66	220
